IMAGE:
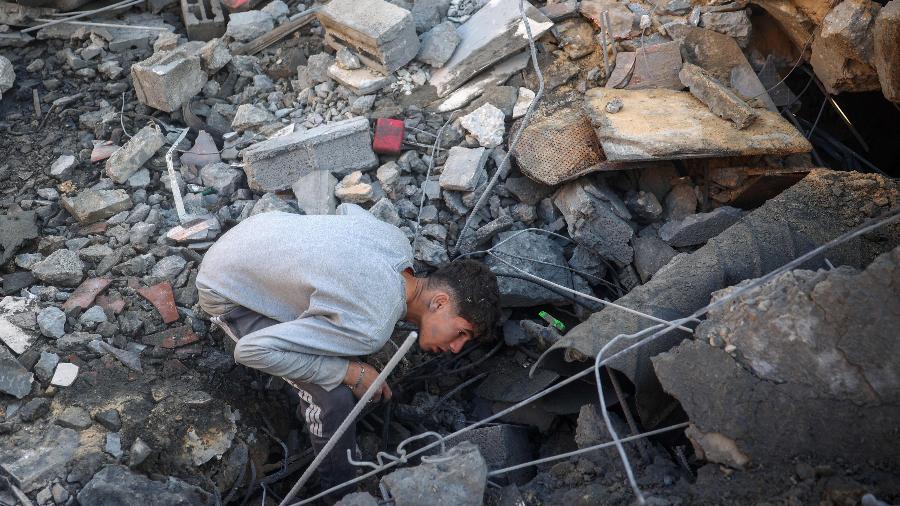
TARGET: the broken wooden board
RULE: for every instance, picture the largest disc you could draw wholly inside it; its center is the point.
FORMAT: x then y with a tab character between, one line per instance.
665	124
649	67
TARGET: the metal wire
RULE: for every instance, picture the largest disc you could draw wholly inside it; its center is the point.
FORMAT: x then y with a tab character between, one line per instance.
123	4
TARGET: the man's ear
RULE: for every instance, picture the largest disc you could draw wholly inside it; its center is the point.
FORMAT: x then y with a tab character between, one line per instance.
439	300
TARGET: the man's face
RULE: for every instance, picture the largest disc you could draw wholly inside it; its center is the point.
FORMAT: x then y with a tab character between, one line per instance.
443	330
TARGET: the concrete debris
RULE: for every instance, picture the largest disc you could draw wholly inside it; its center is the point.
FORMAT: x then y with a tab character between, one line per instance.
595	223
735	24
246	26
7	75
361	81
115	484
464	169
438	44
491	34
40	458
354	189
52	322
249	116
15	229
720	100
487	124
457	478
621	19
62	267
380	33
515	292
502	446
843	48
168	79
698	228
658	68
650	255
64	375
15	380
62	167
74	417
135	153
203	20
315	192
886	56
339	147
523	101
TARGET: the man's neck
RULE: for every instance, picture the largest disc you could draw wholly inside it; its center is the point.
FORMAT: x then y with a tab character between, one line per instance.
415	306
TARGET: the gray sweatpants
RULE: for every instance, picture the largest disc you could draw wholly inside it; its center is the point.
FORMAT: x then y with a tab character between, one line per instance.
323	411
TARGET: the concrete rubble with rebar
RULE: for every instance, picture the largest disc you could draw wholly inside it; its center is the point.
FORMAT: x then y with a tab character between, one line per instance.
690	205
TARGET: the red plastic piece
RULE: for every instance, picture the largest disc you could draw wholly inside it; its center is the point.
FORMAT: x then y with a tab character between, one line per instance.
388	136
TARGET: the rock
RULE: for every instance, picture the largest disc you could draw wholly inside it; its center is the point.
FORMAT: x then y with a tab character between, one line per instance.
43	369
843	48
109	419
168	268
7	75
64	375
17	319
486	124
427	14
650	255
94	315
438	44
317	67
529	246
250	116
721	101
502	446
346	59
15	380
385	211
40	458
459	480
680	202
698	228
362	105
315	192
277	9
358	499
523	101
115	484
735	24
15	229
74	417
62	268
621	19
52	322
168	79
246	26
272	202
464	169
594	222
62	167
382	34
644	205
360	81
352	189
138	453
91	206
221	177
204	152
35	409
887	51
526	190
113	444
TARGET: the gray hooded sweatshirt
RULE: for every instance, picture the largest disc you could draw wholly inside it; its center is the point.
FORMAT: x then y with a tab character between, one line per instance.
333	281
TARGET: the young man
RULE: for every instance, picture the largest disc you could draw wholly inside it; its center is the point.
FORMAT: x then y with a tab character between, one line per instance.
302	296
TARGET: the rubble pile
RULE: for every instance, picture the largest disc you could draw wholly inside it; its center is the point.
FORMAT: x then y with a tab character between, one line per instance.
656	150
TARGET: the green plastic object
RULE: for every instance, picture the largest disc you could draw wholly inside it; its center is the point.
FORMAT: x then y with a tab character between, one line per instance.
547	317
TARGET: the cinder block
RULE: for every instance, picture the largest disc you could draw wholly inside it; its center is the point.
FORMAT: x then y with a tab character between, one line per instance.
339	148
203	19
380	33
502	446
168	79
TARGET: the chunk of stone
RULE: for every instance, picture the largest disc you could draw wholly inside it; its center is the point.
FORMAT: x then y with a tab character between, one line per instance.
250	116
341	147
15	229
353	189
45	366
523	101
90	206
887	50
110	419
204	151
427	14
246	26
735	24
502	446
135	153
594	222
361	81
16	320
7	75
168	79
93	315
385	211
644	205
698	228
358	499
61	168
621	19
315	192
74	417
65	374
491	34
62	268
272	202
15	380
116	484
486	124
138	453
464	169
457	478
52	322
538	255
40	458
650	255
843	48
438	44
680	202
221	177
723	102
345	59
382	34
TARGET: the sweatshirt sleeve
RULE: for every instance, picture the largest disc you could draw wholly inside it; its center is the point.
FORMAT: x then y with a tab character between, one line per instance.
309	349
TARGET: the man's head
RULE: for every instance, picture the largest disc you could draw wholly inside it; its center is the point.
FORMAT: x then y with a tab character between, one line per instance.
461	305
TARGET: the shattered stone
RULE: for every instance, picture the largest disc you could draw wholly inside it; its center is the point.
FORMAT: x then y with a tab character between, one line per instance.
15	380
315	192
221	177
438	44
341	147
385	211
502	446
595	223
345	59
735	24
843	49
16	321
62	167
358	499
516	292
62	268
383	35
650	255
74	417
272	202
115	484
203	152
523	102
40	458
168	79
65	374
680	202
135	153
249	116
7	75
109	419
644	205
15	229
138	453
361	81
487	124
45	366
886	55
246	26
698	228
52	322
464	169
427	14
720	100
458	478
352	189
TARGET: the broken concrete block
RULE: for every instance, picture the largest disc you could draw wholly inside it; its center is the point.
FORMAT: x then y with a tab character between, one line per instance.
64	375
650	255
33	460
362	81
90	206
339	147
115	484
353	189
168	79
250	116
523	102
595	223
246	26
427	14
844	47
380	33
203	19
438	44
62	167
221	177
502	446
887	50
698	228
720	100
15	229
515	292
7	75
735	24
621	19
315	192
62	268
464	169
135	153
15	380
491	34
487	124
457	478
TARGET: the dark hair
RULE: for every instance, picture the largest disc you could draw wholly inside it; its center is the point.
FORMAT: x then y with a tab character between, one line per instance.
474	292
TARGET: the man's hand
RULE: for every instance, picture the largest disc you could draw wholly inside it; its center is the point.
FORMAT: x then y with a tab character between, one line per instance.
360	377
